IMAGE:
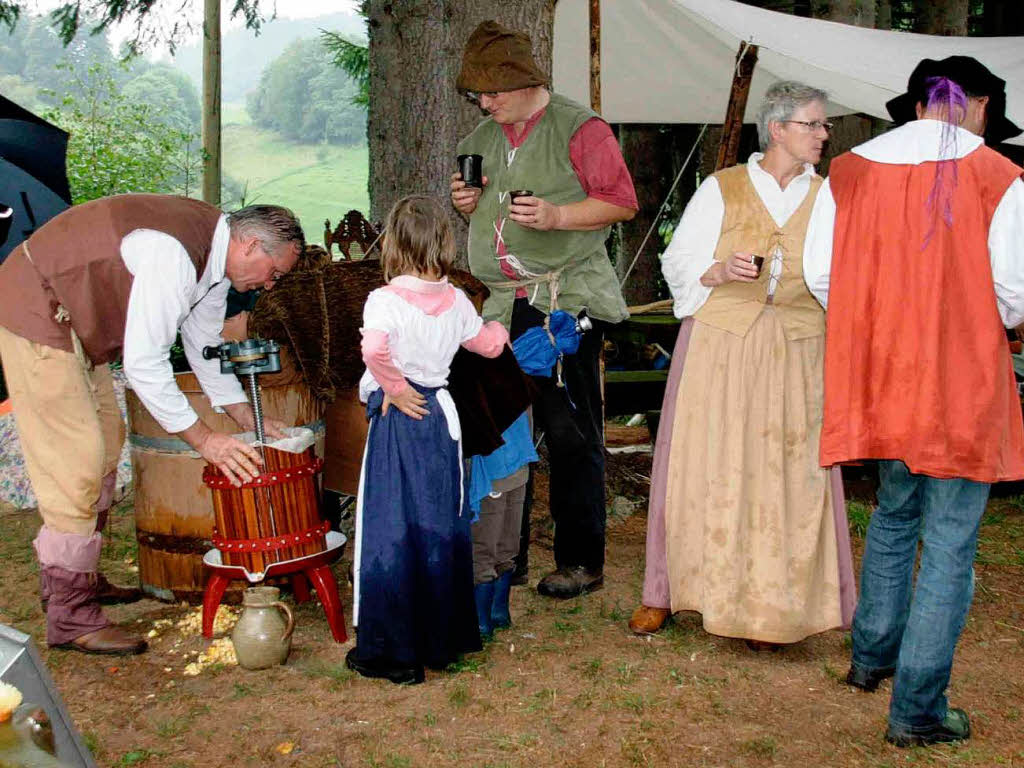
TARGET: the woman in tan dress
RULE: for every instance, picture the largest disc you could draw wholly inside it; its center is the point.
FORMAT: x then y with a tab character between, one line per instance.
744	526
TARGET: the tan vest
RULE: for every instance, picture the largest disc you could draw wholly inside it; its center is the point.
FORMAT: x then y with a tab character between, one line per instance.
76	265
748	226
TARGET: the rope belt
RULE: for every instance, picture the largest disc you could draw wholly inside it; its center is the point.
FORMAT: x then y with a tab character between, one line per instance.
553	279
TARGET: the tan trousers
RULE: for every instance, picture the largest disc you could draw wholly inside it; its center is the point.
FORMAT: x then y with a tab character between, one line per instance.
69	425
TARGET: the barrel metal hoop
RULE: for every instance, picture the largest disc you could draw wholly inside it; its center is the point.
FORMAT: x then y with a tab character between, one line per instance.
271	543
178	446
175	545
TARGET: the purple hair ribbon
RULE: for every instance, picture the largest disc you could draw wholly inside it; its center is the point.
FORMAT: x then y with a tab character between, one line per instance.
948	100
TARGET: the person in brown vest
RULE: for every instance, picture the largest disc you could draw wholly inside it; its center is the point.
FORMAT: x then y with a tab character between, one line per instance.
118	278
744	527
916	246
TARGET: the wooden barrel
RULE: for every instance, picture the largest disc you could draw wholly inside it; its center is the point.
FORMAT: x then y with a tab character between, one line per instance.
173	508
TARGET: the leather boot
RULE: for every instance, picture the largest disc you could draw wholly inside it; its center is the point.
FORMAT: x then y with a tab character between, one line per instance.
108	641
107	593
500	618
570	582
483	594
646	620
868	679
74	620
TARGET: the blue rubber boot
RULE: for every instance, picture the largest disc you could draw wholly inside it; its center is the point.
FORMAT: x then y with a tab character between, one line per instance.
500	618
484	596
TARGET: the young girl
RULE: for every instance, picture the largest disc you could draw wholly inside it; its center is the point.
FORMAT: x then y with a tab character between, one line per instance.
413	561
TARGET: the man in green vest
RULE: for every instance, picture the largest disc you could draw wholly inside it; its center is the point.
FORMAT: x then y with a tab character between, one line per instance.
545	251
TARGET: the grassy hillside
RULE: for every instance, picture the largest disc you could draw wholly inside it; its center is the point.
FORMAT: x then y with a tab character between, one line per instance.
316	181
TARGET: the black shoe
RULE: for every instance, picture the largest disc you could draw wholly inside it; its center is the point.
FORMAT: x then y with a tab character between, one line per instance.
954	727
570	582
521	575
762	645
868	679
397	675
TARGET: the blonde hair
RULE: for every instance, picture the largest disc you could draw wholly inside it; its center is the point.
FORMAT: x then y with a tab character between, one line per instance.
417	238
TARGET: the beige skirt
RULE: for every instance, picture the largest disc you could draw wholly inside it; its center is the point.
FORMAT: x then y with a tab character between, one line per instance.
750	532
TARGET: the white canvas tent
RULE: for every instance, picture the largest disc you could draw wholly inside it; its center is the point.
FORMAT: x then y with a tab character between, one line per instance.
671	61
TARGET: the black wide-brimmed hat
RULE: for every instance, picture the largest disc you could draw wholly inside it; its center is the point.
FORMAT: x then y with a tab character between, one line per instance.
975	79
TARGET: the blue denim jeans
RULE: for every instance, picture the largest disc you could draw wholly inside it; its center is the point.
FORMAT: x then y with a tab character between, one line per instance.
915	630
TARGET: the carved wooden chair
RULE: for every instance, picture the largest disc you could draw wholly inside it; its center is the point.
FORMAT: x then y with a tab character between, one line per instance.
353	229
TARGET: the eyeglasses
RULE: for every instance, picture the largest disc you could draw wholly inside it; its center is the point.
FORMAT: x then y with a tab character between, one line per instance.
475	96
813	125
277	274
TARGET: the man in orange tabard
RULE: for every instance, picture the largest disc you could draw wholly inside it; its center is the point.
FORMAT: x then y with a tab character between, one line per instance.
914	246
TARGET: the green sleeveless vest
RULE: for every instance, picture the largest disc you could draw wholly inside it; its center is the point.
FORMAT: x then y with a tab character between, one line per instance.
541	165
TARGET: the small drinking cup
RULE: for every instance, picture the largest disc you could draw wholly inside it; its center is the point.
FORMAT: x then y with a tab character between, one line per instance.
471	168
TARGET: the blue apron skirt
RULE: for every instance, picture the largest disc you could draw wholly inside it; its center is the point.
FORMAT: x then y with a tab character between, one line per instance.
414	555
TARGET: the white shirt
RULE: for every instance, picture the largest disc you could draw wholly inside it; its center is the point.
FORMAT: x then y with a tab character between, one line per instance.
166	296
422	346
692	249
912	144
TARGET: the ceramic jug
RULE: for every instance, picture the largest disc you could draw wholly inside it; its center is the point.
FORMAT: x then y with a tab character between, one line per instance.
262	637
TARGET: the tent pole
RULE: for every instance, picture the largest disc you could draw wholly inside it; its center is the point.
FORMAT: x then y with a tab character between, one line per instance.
595	55
729	149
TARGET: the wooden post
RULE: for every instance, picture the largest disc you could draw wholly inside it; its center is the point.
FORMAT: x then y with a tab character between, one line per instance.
595	55
211	102
728	150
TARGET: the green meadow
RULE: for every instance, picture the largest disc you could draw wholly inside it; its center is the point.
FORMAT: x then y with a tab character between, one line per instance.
317	181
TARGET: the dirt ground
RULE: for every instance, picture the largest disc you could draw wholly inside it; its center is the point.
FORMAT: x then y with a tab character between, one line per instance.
568	685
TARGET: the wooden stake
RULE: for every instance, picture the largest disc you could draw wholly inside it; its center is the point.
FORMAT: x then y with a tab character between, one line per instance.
728	150
595	55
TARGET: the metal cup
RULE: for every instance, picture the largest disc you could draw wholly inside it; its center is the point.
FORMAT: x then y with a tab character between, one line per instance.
472	170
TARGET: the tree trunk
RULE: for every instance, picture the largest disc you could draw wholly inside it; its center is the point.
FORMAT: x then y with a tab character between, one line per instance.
1002	17
211	102
883	14
940	17
849	130
416	117
646	149
859	13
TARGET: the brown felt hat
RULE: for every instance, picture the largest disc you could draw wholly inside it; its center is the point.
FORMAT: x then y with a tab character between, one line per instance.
498	59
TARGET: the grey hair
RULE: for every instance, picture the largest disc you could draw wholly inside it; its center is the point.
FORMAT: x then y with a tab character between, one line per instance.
780	102
273	225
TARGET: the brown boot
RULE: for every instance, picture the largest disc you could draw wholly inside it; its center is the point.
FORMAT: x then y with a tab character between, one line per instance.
646	620
107	593
762	645
109	641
